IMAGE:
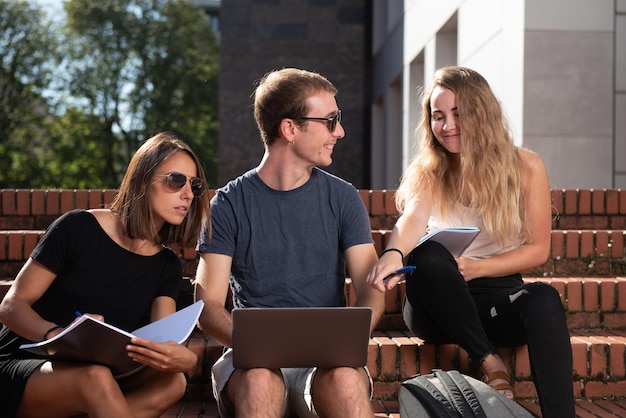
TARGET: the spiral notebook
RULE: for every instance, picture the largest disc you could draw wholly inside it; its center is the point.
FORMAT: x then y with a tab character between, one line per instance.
301	337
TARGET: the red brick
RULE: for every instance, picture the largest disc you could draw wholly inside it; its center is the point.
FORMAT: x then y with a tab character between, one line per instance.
608	295
571	202
94	198
68	201
8	202
557	247
427	358
390	203
621	296
597	201
590	296
388	359
602	244
525	389
109	195
378	203
580	348
598	359
574	296
584	202
522	363
365	197
37	202
408	358
4	245
572	241
22	202
617	244
464	360
581	320
612	201
53	197
448	356
16	249
378	237
81	199
614	320
373	351
386	390
617	366
622	202
557	201
605	389
587	246
30	240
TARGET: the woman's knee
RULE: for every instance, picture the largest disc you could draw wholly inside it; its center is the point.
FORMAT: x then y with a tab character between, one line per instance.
543	304
544	296
96	383
169	388
430	255
435	270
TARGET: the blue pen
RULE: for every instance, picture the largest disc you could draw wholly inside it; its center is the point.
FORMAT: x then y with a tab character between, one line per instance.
405	269
77	313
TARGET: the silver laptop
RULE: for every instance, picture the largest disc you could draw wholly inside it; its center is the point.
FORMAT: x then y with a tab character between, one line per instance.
301	337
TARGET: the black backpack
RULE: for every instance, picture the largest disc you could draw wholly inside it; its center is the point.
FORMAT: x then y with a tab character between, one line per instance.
451	394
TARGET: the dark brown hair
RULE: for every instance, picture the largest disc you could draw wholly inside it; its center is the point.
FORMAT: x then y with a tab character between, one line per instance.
132	202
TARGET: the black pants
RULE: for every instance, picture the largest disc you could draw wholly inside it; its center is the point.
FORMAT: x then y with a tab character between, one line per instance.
441	307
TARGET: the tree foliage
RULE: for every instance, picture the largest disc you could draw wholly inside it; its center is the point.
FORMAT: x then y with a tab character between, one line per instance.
27	57
145	66
123	70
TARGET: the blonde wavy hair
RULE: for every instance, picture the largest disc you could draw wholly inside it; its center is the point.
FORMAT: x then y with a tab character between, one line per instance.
486	175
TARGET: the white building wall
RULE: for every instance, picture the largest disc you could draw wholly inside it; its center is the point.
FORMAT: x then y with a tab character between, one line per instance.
620	95
569	90
557	66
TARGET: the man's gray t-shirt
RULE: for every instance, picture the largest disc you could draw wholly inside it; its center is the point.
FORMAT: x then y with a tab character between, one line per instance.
287	246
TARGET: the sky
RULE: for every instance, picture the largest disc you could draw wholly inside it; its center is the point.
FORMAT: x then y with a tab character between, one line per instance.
49	5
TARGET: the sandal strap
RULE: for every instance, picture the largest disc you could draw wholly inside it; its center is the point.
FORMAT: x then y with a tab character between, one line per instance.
500	374
503	386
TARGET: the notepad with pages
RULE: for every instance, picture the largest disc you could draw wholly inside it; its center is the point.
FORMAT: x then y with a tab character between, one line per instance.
88	340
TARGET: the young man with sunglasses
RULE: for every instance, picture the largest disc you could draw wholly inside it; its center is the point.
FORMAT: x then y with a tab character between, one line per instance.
283	235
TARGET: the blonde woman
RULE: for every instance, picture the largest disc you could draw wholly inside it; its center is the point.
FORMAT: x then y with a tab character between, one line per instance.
468	172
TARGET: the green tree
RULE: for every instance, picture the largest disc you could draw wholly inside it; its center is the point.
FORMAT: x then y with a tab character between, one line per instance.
73	163
27	58
143	66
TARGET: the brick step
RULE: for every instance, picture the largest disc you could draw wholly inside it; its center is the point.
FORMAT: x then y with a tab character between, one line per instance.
391	409
571	208
208	409
590	302
573	252
599	363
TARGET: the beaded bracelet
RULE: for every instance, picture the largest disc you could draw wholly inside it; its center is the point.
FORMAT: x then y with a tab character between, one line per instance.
50	330
393	249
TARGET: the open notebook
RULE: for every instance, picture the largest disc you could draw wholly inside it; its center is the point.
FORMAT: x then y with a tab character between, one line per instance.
301	337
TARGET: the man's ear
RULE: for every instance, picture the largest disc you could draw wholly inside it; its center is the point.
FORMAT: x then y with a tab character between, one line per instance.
288	129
